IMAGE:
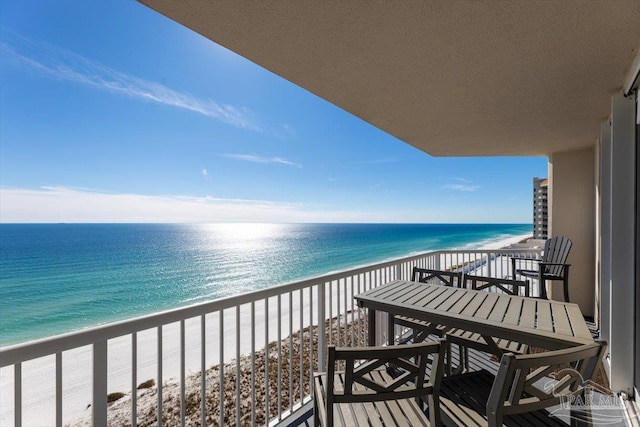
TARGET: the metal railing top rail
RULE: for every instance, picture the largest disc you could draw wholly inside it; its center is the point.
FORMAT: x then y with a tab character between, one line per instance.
488	251
21	352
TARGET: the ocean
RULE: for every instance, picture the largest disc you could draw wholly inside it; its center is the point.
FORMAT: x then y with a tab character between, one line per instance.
56	278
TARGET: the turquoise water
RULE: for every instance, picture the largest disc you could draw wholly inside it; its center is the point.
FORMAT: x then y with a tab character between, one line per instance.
55	278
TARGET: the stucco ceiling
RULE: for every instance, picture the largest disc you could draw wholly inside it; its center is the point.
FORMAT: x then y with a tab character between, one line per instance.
453	78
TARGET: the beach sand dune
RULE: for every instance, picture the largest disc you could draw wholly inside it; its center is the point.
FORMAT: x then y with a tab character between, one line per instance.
256	397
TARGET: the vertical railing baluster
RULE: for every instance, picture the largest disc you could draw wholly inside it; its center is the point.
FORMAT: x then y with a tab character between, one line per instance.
99	404
345	310
353	310
17	394
253	362
337	313
134	379
322	345
203	371
160	376
330	312
221	371
359	314
59	389
490	257
279	381
238	407
301	345
311	338
183	407
266	361
291	351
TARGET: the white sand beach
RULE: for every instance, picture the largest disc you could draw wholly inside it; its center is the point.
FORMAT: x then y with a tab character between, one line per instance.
38	376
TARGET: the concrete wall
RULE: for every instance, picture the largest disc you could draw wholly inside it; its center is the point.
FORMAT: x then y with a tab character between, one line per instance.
572	214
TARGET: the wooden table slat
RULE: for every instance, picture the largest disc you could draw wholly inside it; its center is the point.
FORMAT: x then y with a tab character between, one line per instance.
544	316
435	303
487	306
499	311
578	324
528	315
561	319
452	300
514	311
384	291
474	304
426	294
461	303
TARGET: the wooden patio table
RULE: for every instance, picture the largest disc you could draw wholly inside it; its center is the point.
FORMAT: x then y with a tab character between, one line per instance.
547	324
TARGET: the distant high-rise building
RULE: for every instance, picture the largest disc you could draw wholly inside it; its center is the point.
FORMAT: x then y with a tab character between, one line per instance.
540	215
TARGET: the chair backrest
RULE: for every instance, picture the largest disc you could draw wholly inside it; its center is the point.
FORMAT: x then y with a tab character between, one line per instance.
556	250
438	277
409	363
496	284
514	390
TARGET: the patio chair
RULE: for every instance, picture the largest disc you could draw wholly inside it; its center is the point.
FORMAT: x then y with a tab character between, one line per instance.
523	386
370	393
552	265
421	329
465	339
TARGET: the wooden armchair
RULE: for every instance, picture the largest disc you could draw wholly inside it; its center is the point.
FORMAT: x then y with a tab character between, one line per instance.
465	339
420	328
522	388
387	388
552	265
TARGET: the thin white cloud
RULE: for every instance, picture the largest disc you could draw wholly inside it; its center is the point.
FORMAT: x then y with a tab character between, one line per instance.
461	179
66	65
205	172
259	159
61	204
284	131
461	187
378	161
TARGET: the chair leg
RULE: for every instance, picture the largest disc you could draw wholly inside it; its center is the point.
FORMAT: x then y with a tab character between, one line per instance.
543	286
391	329
466	358
565	283
434	410
582	416
316	418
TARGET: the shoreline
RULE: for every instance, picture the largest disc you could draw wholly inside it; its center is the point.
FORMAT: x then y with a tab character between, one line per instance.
38	408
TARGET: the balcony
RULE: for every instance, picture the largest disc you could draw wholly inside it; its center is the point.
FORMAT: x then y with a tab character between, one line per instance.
74	375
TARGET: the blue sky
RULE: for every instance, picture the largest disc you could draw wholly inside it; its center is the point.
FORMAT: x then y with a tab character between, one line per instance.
110	112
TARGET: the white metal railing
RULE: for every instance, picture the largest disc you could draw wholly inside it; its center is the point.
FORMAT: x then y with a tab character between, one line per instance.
272	338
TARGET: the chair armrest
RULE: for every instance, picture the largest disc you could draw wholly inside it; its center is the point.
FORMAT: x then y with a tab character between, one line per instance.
555	263
526	259
514	259
513	264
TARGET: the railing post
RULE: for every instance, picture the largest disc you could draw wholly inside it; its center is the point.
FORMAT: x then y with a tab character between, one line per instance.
17	394
489	261
99	405
438	256
398	271
322	345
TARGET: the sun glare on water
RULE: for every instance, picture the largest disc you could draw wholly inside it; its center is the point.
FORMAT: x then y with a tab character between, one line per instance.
245	231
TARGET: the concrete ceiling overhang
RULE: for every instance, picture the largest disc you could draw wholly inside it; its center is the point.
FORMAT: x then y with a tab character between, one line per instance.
452	78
